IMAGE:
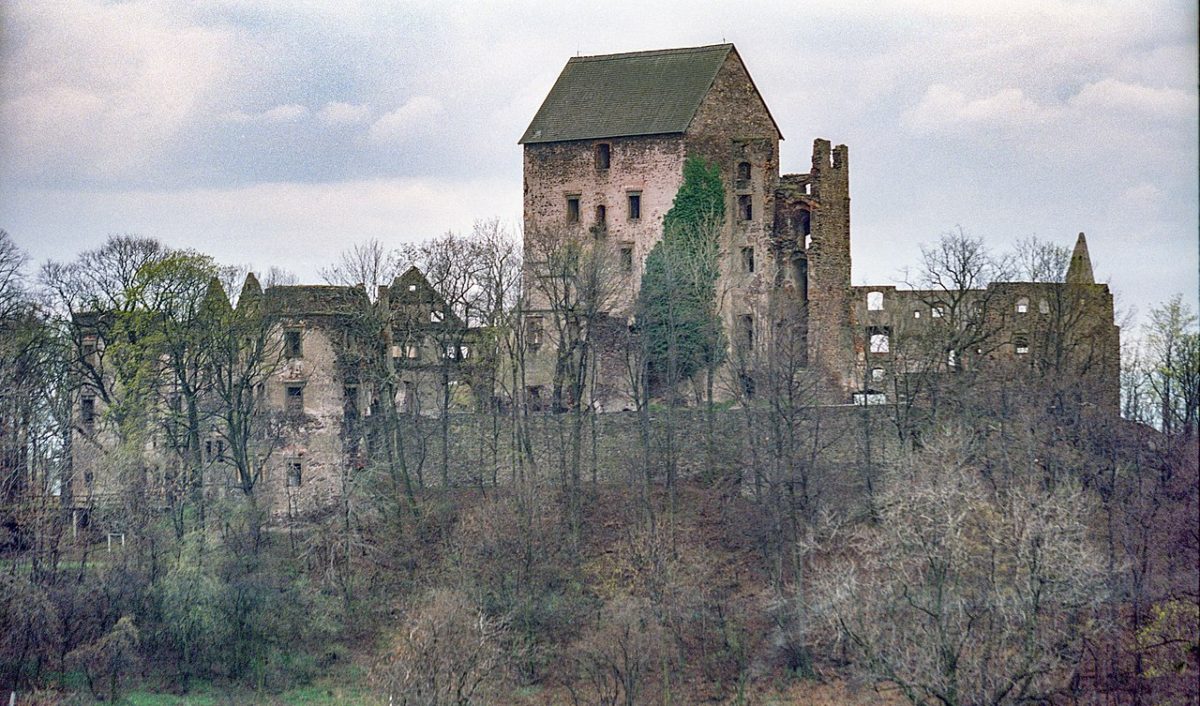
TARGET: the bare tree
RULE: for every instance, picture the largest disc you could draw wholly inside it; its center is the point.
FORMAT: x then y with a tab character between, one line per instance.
966	592
448	652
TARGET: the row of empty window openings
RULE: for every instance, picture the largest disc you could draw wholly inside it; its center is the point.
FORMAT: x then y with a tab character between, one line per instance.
875	303
633	212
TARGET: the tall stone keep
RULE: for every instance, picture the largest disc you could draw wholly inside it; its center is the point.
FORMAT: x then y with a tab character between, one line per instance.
604	155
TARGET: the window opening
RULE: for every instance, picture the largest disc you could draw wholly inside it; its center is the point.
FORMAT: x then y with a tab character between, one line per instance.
295	473
747	330
748	260
1044	306
601	215
292	343
87	413
743	172
874	301
626	260
937	312
603	155
635	205
1022	305
1021	345
745	207
534	326
295	399
877	374
880	339
916	313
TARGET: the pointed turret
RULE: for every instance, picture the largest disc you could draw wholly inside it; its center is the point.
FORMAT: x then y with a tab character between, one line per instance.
1080	270
251	291
215	301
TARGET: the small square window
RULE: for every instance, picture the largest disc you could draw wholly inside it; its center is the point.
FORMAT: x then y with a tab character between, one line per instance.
1022	305
603	155
626	260
916	313
412	287
748	260
874	301
635	205
572	209
1021	345
437	317
1044	307
937	312
877	374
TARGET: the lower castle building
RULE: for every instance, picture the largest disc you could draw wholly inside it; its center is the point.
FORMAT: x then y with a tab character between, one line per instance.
603	160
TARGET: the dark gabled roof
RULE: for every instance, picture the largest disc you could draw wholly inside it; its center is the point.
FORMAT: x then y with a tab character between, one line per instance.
615	95
315	300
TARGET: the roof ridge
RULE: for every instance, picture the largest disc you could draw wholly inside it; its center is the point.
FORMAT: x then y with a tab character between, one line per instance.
650	52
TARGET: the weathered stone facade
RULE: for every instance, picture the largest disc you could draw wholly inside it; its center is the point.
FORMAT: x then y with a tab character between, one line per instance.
603	160
786	239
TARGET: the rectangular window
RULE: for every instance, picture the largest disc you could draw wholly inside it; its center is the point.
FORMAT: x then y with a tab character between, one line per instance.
1021	345
874	301
572	209
627	260
534	331
635	205
880	338
220	450
89	347
746	323
437	317
745	207
937	312
87	413
294	404
292	343
295	472
409	403
603	155
748	260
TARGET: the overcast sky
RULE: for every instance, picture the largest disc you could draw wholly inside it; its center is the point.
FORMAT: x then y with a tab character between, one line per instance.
279	132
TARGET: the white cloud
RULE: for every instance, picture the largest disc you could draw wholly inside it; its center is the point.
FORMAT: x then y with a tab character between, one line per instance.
134	76
1111	94
343	113
414	117
289	113
943	107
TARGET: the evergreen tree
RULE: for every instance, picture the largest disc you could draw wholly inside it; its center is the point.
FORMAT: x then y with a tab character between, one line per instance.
677	302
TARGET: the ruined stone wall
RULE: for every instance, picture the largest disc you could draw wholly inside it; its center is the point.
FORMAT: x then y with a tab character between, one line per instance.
733	126
312	437
650	166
